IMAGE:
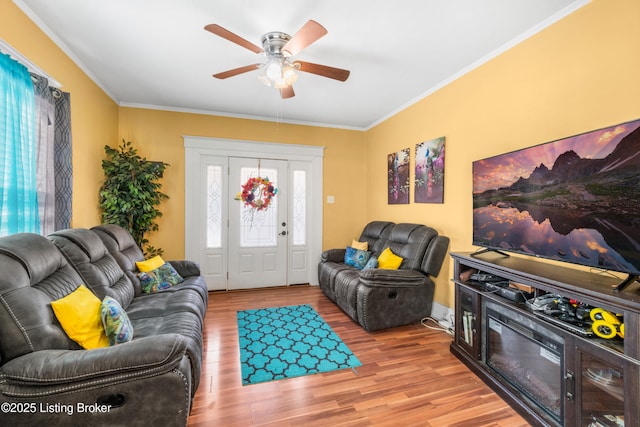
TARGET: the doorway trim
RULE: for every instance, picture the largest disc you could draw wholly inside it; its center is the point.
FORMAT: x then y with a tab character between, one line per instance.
197	146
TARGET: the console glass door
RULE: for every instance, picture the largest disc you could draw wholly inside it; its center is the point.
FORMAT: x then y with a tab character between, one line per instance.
466	321
601	391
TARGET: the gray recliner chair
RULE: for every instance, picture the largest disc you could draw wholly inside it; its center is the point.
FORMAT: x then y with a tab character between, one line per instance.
378	298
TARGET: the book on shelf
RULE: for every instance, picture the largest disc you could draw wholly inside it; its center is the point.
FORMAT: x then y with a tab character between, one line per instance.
467	326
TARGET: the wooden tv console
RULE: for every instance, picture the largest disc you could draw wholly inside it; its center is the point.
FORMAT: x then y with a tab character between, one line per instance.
599	378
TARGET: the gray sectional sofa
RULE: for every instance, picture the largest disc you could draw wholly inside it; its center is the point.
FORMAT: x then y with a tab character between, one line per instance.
48	379
381	298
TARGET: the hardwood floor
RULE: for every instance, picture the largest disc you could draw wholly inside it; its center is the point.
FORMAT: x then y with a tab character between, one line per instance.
408	377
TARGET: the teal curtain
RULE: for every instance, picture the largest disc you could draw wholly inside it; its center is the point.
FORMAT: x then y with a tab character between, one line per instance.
18	184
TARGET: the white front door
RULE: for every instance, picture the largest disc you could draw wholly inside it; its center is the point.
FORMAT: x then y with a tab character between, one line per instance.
238	249
258	238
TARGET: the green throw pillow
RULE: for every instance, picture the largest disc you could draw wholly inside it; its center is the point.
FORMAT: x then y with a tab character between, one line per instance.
161	278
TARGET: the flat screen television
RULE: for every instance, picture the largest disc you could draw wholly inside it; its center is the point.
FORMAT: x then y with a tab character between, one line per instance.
575	199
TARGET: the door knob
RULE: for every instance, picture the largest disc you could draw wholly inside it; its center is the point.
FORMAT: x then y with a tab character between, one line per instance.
284	233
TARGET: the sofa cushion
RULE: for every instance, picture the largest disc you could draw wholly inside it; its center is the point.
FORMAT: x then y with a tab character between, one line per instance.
79	315
150	305
346	284
188	325
410	242
115	321
86	252
375	234
34	273
120	245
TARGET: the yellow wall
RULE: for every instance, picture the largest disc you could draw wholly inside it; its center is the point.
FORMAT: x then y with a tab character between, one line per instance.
94	116
580	74
577	75
159	136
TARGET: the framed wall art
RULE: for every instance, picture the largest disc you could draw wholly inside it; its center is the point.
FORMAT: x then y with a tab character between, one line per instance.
398	177
429	173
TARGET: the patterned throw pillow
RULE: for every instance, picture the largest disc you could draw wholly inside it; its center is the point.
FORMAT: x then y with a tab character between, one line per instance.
372	263
356	258
116	323
161	278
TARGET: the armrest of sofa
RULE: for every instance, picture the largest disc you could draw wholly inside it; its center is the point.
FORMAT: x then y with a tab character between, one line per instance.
435	254
186	268
48	367
378	277
333	255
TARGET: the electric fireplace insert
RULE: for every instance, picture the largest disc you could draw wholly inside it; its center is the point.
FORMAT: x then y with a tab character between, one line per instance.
527	355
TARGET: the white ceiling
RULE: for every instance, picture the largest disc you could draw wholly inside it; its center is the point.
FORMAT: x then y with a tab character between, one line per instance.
156	54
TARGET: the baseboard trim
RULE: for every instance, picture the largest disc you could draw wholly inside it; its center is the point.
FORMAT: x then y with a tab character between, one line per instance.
443	314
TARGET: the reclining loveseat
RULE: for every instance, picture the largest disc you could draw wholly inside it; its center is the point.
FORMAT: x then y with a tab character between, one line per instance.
380	298
46	378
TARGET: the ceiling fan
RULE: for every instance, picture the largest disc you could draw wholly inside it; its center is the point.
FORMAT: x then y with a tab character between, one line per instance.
280	70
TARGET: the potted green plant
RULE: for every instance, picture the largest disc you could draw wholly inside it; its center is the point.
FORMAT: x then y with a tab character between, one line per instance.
130	194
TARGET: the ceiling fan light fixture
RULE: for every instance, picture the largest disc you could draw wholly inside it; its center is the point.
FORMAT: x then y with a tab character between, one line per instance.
278	72
289	74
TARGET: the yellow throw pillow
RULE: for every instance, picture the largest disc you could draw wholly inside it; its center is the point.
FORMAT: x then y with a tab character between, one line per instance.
79	315
388	260
362	246
150	264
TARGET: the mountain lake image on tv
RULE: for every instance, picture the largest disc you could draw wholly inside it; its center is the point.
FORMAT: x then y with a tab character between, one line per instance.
576	199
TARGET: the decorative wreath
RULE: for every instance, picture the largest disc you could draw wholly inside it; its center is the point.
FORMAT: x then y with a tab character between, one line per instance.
257	193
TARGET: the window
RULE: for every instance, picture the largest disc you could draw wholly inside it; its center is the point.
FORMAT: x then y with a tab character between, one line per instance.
214	206
299	208
259	228
35	145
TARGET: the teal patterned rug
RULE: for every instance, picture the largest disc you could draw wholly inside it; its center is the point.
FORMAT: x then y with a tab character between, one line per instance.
286	342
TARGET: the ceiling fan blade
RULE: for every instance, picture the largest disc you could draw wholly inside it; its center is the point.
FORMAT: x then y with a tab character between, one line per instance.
236	71
287	92
309	33
324	70
226	34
